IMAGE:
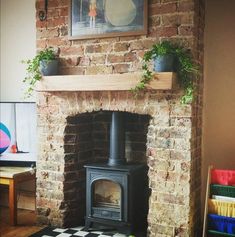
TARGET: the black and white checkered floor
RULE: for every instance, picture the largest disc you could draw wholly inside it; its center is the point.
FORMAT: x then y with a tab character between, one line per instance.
72	232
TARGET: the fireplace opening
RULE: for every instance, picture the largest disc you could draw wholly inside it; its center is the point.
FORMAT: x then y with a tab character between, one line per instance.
114	188
87	143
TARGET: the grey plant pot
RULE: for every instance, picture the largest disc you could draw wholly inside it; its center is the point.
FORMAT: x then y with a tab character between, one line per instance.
165	63
48	68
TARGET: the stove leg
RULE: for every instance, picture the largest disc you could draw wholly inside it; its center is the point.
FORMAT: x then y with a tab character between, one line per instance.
126	230
88	225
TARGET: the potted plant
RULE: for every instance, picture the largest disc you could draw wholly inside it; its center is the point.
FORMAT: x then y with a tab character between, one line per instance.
170	57
44	63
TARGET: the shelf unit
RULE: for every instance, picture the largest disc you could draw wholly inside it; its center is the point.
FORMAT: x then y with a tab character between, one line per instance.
219	234
219	216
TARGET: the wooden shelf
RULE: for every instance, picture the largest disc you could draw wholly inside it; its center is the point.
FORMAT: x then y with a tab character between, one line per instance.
110	82
217	233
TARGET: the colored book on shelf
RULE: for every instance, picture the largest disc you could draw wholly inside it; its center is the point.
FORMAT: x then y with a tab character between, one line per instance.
219	217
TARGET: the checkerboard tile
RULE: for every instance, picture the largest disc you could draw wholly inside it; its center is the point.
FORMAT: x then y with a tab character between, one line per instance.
74	232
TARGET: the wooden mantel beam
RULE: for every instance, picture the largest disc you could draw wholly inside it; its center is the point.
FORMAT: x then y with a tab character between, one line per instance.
110	82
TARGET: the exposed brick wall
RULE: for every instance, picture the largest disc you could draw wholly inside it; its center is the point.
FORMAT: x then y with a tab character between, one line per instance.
174	132
78	148
172	19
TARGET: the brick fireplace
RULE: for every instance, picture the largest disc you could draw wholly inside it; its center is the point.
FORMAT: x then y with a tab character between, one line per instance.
73	125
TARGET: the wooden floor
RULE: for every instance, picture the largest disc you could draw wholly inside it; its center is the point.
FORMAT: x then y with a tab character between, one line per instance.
26	224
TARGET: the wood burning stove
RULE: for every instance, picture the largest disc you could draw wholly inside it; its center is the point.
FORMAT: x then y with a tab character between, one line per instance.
117	192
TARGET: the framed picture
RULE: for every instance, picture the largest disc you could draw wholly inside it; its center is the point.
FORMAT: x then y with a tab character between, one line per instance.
107	18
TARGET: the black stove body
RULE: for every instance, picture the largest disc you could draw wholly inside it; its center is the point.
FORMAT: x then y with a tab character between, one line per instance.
117	192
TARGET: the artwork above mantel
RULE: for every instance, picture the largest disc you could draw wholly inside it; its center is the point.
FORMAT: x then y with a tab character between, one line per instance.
109	82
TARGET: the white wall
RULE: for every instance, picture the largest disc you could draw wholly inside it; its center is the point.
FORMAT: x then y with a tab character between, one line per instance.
219	93
18	41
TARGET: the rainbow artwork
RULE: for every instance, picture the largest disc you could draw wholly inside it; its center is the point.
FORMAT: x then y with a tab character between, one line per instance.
5	138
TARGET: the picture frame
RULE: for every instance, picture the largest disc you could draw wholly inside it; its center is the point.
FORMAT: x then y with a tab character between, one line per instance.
91	19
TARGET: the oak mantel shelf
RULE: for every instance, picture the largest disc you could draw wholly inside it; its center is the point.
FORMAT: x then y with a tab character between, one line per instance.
110	82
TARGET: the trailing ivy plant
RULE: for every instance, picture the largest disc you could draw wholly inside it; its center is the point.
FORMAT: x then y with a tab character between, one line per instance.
186	68
33	68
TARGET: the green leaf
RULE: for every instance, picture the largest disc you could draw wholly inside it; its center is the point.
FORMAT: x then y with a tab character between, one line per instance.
33	73
187	69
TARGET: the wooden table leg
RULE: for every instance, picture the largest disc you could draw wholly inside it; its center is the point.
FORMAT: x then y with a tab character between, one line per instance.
12	203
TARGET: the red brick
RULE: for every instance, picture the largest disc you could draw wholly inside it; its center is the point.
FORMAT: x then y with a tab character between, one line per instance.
155	21
170	20
130	57
148	43
98	48
186	30
53	3
63	11
113	58
58	42
41	24
63	3
72	51
185	6
186	18
54	12
166	31
140	53
119	47
93	49
72	70
137	44
56	22
141	45
40	4
121	68
159	9
84	61
73	61
47	33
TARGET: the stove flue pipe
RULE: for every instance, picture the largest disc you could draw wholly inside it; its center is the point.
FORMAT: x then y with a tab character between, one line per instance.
117	139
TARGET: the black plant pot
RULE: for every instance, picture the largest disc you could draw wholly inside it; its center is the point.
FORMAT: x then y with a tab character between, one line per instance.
165	63
48	68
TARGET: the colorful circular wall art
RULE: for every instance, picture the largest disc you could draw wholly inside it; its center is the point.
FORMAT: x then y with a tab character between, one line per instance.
5	138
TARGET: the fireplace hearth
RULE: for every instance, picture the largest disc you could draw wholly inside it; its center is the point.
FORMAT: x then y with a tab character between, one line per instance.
117	192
